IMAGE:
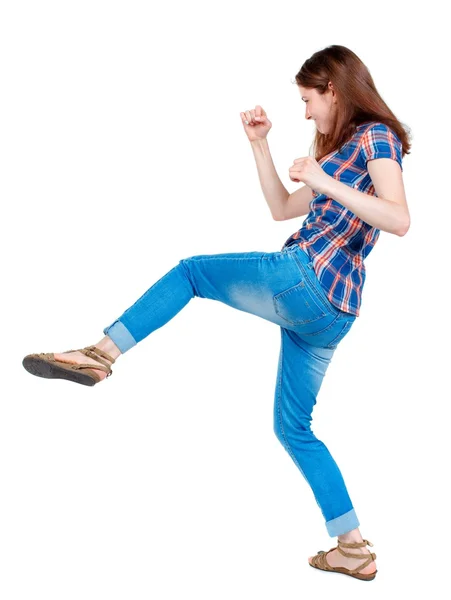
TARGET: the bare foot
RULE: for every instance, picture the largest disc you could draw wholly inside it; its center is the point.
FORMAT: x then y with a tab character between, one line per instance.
80	358
336	559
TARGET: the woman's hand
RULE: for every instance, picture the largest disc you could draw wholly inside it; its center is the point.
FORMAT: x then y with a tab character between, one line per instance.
256	123
309	172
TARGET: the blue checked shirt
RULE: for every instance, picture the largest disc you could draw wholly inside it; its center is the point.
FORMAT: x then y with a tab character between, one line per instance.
336	240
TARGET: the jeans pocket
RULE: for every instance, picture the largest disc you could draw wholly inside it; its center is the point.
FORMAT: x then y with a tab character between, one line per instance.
341	334
298	305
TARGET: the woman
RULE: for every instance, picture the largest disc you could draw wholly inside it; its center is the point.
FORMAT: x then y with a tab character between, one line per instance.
311	289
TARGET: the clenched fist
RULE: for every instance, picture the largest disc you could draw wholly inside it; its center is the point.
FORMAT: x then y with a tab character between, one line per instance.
256	123
308	171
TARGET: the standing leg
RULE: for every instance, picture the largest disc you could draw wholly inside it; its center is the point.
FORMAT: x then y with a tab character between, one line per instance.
300	374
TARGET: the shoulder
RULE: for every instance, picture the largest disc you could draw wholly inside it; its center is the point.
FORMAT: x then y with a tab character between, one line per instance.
378	140
377	129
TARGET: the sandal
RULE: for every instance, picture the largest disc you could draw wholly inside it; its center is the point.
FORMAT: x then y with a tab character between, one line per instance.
46	365
319	561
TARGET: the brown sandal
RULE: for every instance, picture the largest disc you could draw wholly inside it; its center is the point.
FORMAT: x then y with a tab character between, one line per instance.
319	561
46	365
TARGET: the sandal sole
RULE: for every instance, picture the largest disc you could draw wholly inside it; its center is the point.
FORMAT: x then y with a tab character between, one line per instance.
343	571
51	370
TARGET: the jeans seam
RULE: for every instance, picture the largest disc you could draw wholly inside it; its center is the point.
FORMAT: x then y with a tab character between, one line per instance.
216	257
343	330
337	317
279	412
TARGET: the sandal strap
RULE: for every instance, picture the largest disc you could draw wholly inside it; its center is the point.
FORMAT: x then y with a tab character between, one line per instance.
369	557
355	544
319	560
92	351
96	354
90	366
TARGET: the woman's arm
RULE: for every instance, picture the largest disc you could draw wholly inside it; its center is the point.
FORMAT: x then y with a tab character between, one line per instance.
388	210
276	195
298	203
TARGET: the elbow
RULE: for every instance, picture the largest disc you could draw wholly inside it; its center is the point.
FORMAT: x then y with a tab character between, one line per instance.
404	229
277	217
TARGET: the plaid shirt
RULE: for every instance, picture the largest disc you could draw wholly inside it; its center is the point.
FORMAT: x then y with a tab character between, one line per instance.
336	239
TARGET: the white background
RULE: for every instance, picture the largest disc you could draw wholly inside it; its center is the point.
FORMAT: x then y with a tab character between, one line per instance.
122	152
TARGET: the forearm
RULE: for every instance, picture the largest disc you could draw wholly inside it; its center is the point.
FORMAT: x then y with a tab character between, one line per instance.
376	211
274	191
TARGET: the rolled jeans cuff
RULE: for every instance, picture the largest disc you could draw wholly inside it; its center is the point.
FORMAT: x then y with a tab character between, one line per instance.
342	524
120	336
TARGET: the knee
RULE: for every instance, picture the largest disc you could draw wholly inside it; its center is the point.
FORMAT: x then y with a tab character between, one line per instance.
298	433
185	265
278	431
281	439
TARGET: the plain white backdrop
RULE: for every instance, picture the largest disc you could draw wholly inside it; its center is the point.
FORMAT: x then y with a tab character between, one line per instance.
122	152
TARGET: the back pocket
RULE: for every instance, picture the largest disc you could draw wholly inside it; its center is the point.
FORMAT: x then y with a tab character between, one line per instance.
298	305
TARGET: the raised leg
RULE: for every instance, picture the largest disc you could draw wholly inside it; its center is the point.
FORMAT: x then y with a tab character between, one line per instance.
246	281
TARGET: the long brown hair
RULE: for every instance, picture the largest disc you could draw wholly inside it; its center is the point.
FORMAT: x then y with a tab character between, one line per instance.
358	100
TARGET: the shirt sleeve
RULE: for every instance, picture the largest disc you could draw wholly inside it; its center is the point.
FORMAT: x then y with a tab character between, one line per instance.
379	141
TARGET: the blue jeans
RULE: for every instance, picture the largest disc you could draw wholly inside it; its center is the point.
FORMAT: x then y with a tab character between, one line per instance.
280	287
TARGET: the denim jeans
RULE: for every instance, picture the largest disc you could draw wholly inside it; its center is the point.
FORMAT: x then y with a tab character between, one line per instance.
280	287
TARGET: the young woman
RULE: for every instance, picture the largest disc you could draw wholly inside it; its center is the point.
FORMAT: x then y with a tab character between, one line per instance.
311	288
